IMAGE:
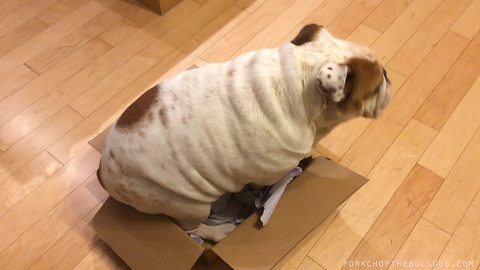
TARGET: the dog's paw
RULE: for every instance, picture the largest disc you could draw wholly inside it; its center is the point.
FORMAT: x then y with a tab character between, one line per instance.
214	233
221	231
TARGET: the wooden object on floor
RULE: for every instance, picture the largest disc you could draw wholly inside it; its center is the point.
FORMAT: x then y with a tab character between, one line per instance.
160	6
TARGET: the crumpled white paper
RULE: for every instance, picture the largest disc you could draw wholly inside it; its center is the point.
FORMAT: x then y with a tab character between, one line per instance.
235	207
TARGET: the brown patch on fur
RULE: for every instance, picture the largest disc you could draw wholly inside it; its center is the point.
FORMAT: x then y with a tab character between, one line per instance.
111	154
138	109
308	33
99	177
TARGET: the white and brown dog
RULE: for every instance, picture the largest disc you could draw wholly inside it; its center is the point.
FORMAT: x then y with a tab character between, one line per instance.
214	129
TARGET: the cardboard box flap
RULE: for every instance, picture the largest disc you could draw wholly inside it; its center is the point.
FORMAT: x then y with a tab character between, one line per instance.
305	204
144	241
98	141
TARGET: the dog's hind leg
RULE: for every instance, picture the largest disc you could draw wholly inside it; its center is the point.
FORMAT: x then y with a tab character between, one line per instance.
213	233
193	224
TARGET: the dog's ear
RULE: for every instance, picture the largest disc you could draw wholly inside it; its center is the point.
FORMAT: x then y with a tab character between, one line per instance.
368	75
332	80
308	33
356	78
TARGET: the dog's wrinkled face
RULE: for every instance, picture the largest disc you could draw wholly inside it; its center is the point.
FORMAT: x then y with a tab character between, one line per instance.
346	74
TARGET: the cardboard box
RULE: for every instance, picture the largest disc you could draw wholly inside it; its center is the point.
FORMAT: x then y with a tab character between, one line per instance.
160	6
155	242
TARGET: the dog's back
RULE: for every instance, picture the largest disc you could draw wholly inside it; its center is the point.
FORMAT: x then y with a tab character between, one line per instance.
204	132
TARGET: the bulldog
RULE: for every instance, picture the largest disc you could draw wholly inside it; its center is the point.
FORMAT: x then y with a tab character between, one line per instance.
215	129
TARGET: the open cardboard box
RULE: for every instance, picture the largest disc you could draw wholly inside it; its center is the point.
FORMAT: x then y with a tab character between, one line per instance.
155	242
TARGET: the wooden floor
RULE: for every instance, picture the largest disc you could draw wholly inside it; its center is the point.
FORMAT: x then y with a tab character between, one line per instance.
68	68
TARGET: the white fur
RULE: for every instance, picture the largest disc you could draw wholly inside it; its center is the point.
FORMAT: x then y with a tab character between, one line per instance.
248	120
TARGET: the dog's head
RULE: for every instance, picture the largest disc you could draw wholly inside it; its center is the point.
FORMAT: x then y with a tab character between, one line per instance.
346	75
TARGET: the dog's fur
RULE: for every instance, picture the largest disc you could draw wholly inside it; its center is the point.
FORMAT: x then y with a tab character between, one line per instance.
214	129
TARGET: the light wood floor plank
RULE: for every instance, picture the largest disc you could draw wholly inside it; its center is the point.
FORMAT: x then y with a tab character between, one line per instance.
24	97
468	24
116	81
44	234
15	80
452	88
124	29
215	30
20	16
101	257
26	180
103	71
398	33
424	245
386	13
76	139
288	20
59	10
24	121
32	145
364	35
90	100
72	247
52	55
120	31
347	21
458	191
348	228
9	7
455	134
190	51
162	24
45	39
20	35
371	145
226	47
56	99
309	264
397	220
249	5
179	34
51	192
410	56
134	12
327	12
202	41
463	249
